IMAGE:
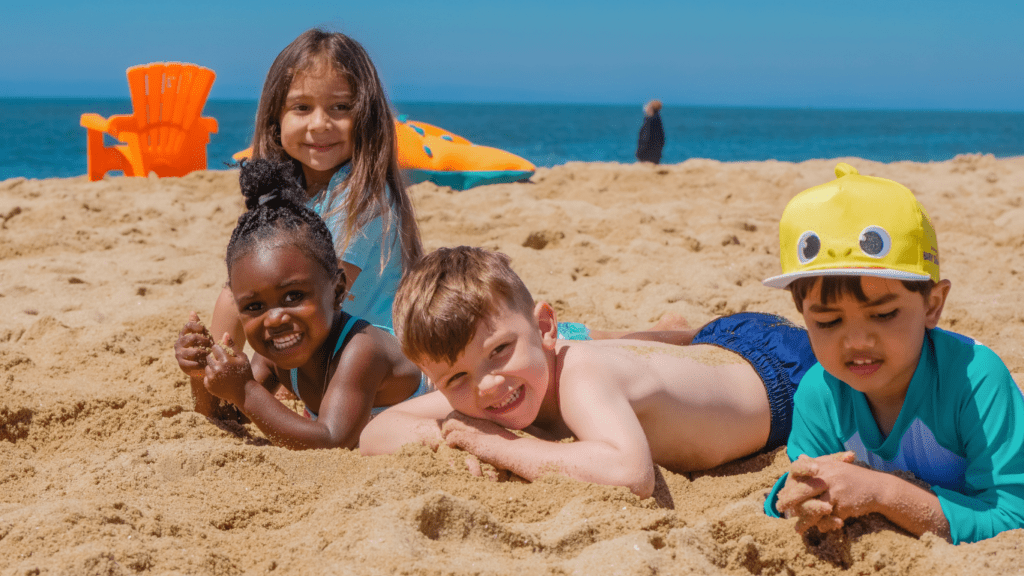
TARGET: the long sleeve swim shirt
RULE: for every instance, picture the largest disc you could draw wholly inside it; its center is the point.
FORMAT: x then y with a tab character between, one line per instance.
961	430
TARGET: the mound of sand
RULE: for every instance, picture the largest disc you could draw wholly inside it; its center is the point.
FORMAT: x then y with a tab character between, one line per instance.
105	469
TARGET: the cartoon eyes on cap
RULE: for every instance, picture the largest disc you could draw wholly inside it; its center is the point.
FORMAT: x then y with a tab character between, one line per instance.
807	247
875	242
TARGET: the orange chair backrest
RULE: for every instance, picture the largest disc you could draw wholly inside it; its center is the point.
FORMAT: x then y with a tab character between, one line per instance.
167	98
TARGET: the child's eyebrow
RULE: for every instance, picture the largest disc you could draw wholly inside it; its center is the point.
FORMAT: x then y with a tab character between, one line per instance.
880	301
293	281
343	94
869	304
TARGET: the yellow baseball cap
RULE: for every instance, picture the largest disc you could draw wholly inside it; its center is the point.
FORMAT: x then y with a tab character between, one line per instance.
856	226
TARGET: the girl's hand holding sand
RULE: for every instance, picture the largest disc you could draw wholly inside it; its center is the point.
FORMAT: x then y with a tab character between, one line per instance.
192	351
228	372
192	347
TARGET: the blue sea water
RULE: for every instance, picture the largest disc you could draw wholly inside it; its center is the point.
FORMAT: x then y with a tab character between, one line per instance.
41	138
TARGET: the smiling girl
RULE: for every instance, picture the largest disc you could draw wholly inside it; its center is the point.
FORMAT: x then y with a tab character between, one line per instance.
287	289
324	113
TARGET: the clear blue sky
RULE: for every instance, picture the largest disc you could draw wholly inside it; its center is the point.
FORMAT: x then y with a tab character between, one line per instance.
898	54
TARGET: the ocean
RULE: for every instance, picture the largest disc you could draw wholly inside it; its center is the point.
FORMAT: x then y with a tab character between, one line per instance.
41	138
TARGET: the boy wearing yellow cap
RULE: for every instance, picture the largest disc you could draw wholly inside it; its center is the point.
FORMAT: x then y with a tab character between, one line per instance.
892	390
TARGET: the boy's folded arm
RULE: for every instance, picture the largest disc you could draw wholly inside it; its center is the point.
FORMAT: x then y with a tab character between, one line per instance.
587	460
611	446
414	421
990	424
911	507
973	518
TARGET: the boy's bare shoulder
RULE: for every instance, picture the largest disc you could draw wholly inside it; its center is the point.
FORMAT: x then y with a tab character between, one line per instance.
633	351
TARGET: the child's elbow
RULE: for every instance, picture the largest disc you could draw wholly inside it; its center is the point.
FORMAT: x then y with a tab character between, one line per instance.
643	488
374	439
369	445
639	482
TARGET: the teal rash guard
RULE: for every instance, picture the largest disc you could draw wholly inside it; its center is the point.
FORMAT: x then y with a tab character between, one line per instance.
961	430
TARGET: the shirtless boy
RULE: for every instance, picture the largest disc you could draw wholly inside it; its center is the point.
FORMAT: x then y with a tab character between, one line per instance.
467	320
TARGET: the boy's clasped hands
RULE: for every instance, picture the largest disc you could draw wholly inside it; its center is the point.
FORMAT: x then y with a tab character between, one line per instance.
822	492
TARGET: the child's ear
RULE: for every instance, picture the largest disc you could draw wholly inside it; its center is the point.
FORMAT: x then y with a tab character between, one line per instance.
547	322
340	289
935	301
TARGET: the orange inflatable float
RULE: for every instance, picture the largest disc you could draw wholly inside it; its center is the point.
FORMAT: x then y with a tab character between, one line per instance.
429	153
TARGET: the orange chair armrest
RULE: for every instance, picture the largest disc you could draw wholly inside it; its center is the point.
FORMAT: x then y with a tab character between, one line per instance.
122	123
208	124
94	122
113	125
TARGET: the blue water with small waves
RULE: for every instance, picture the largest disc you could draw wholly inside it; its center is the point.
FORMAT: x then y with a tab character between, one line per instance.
41	138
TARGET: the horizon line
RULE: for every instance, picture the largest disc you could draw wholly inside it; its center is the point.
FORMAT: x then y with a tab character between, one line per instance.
588	104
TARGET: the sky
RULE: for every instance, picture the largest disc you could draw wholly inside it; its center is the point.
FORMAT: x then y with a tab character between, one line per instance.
891	54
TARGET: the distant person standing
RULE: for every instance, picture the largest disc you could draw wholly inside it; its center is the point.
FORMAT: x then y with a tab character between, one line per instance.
652	134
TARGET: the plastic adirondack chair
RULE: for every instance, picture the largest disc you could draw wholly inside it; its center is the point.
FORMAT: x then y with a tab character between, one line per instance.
164	133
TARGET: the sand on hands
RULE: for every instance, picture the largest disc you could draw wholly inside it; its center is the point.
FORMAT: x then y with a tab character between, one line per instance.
105	469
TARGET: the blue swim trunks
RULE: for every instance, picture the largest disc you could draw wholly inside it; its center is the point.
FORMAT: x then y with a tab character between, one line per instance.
778	350
573	331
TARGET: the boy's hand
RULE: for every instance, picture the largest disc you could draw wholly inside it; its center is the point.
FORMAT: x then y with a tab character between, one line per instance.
461	431
465	432
193	346
227	372
818	491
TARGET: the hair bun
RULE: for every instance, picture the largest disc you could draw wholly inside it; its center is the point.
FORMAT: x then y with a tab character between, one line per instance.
263	182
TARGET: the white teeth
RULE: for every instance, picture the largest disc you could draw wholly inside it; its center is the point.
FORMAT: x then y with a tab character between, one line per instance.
862	362
512	398
285	342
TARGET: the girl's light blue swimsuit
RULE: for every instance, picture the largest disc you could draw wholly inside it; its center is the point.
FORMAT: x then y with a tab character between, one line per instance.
352	326
371	295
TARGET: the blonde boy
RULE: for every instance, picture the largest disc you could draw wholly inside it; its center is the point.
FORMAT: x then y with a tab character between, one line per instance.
465	318
861	259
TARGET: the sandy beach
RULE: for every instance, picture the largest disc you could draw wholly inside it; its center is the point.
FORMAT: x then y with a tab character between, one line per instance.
105	469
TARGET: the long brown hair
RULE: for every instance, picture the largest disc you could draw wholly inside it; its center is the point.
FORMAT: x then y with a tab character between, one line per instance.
374	154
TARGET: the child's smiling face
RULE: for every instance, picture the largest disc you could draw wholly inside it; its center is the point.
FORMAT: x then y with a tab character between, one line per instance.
873	346
504	373
316	123
286	302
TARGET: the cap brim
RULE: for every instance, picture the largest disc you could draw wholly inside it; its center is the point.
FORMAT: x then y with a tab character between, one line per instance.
786	279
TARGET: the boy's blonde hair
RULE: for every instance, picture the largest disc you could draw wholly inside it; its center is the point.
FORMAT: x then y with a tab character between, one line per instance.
444	297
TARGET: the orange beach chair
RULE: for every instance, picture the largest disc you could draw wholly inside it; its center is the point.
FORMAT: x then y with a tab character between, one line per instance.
164	133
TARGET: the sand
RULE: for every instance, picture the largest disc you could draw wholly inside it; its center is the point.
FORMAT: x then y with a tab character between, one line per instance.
104	468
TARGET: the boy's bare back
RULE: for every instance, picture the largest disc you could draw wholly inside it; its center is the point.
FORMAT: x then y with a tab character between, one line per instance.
699	406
